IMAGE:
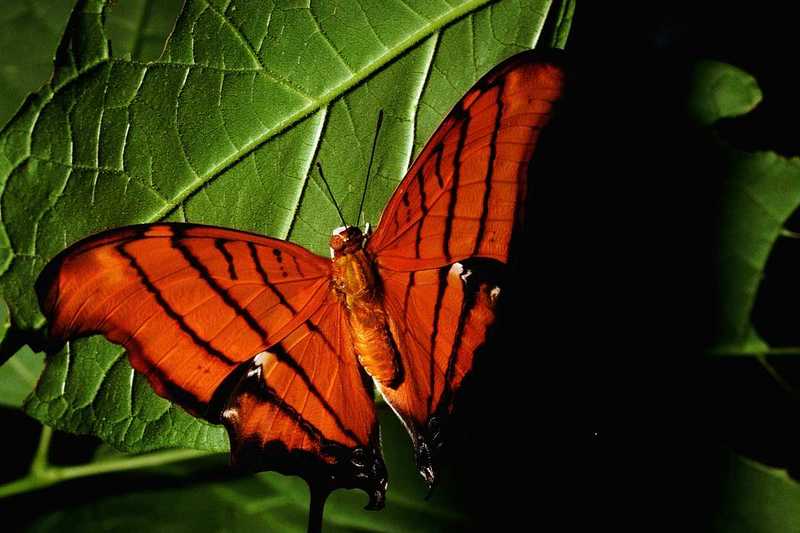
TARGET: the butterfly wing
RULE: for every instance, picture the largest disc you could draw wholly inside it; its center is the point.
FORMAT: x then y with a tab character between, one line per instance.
464	193
447	227
234	327
304	406
444	315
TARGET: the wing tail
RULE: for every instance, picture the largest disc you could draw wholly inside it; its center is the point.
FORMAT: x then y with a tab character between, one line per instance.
445	316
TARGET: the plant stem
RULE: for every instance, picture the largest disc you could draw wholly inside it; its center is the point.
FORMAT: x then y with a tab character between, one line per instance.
46	475
774	374
129	463
777	350
26	484
39	463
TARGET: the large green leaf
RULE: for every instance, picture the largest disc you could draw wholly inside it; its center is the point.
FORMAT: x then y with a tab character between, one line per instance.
759	193
29	33
89	387
223	129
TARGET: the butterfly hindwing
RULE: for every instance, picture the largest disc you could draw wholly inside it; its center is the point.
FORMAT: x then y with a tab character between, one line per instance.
445	314
304	406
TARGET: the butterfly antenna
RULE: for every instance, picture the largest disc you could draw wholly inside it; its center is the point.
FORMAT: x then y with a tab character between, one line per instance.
369	167
333	200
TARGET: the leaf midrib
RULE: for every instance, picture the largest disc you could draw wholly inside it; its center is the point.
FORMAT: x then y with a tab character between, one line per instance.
322	102
314	106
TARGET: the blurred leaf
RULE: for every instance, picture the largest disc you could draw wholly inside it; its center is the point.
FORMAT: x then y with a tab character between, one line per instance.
562	22
757	499
217	500
29	32
138	28
721	91
223	129
105	452
759	193
18	376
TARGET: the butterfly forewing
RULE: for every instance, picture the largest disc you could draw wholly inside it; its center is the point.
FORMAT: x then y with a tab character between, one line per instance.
463	195
188	302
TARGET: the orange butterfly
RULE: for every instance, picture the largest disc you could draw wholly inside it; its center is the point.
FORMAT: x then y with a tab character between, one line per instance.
283	346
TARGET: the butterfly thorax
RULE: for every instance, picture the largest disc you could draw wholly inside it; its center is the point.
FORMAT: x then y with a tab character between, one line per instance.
356	282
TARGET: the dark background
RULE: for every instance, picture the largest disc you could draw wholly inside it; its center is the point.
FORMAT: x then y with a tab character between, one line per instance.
595	406
611	414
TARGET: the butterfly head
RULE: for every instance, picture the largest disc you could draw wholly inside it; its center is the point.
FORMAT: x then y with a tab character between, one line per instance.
346	240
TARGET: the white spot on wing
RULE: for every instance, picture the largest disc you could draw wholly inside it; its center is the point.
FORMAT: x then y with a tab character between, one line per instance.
494	294
259	361
261	357
459	270
230	414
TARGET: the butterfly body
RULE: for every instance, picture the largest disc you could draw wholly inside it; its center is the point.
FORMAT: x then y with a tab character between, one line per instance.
279	344
356	283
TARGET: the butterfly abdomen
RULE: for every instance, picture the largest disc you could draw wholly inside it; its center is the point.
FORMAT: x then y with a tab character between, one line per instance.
355	280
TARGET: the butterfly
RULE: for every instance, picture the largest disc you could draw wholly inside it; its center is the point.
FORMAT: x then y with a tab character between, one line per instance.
286	348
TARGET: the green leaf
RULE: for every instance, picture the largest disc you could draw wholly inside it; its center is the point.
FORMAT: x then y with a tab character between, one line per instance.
757	499
721	91
99	393
29	33
218	500
18	376
759	193
223	129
